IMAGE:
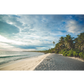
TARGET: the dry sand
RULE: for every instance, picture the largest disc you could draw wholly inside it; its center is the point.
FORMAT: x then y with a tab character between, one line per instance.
26	64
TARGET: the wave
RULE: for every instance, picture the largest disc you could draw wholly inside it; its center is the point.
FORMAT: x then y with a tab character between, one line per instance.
13	56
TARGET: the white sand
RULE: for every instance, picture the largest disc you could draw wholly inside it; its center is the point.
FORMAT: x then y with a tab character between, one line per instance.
26	64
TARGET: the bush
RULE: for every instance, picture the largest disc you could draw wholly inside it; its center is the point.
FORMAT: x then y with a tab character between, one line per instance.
70	53
81	54
64	50
75	53
67	52
52	51
57	51
77	50
64	53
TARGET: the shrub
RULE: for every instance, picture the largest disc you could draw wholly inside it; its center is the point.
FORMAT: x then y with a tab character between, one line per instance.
64	50
57	51
70	52
64	53
67	52
81	54
52	51
75	53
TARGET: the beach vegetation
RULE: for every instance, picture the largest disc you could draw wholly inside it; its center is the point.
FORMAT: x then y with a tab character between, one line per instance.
69	46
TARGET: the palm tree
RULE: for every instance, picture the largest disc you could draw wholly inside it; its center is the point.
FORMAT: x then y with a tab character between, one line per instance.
81	40
68	41
61	42
76	43
57	47
53	43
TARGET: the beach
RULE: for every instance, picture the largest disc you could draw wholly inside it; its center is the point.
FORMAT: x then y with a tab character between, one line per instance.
60	62
25	64
50	61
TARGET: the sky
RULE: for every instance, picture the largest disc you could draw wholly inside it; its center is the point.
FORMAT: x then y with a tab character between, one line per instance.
37	32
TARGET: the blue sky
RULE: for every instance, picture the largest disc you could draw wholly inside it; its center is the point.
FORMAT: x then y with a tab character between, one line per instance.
37	32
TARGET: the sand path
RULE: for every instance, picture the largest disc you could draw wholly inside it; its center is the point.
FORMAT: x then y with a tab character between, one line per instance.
59	62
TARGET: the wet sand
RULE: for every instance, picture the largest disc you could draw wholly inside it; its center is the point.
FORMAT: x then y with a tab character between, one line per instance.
25	64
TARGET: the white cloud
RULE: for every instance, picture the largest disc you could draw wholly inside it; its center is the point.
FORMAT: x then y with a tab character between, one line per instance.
42	48
73	26
3	39
33	32
5	46
44	19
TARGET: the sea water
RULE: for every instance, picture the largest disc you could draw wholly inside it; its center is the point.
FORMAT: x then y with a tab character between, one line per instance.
8	56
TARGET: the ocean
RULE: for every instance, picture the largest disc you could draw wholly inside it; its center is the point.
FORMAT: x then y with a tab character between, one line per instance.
8	56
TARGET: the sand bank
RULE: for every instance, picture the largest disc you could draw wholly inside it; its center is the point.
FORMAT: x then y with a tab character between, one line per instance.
26	64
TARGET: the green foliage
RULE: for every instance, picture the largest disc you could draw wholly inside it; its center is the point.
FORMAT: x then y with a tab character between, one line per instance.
63	50
64	53
81	54
53	43
75	53
70	54
68	41
60	52
69	46
67	53
77	50
57	51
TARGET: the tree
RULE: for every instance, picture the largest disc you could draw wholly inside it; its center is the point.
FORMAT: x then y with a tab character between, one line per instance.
53	43
61	42
68	41
81	40
76	44
57	47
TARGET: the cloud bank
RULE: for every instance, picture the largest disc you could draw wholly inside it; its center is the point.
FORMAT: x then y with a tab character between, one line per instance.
37	32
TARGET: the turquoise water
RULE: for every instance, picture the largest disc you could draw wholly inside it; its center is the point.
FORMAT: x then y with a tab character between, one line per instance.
7	56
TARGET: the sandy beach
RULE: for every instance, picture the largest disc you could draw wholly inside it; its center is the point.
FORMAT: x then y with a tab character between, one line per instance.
25	64
42	62
59	62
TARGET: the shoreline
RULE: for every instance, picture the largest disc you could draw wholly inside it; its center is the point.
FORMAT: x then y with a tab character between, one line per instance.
25	64
29	64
